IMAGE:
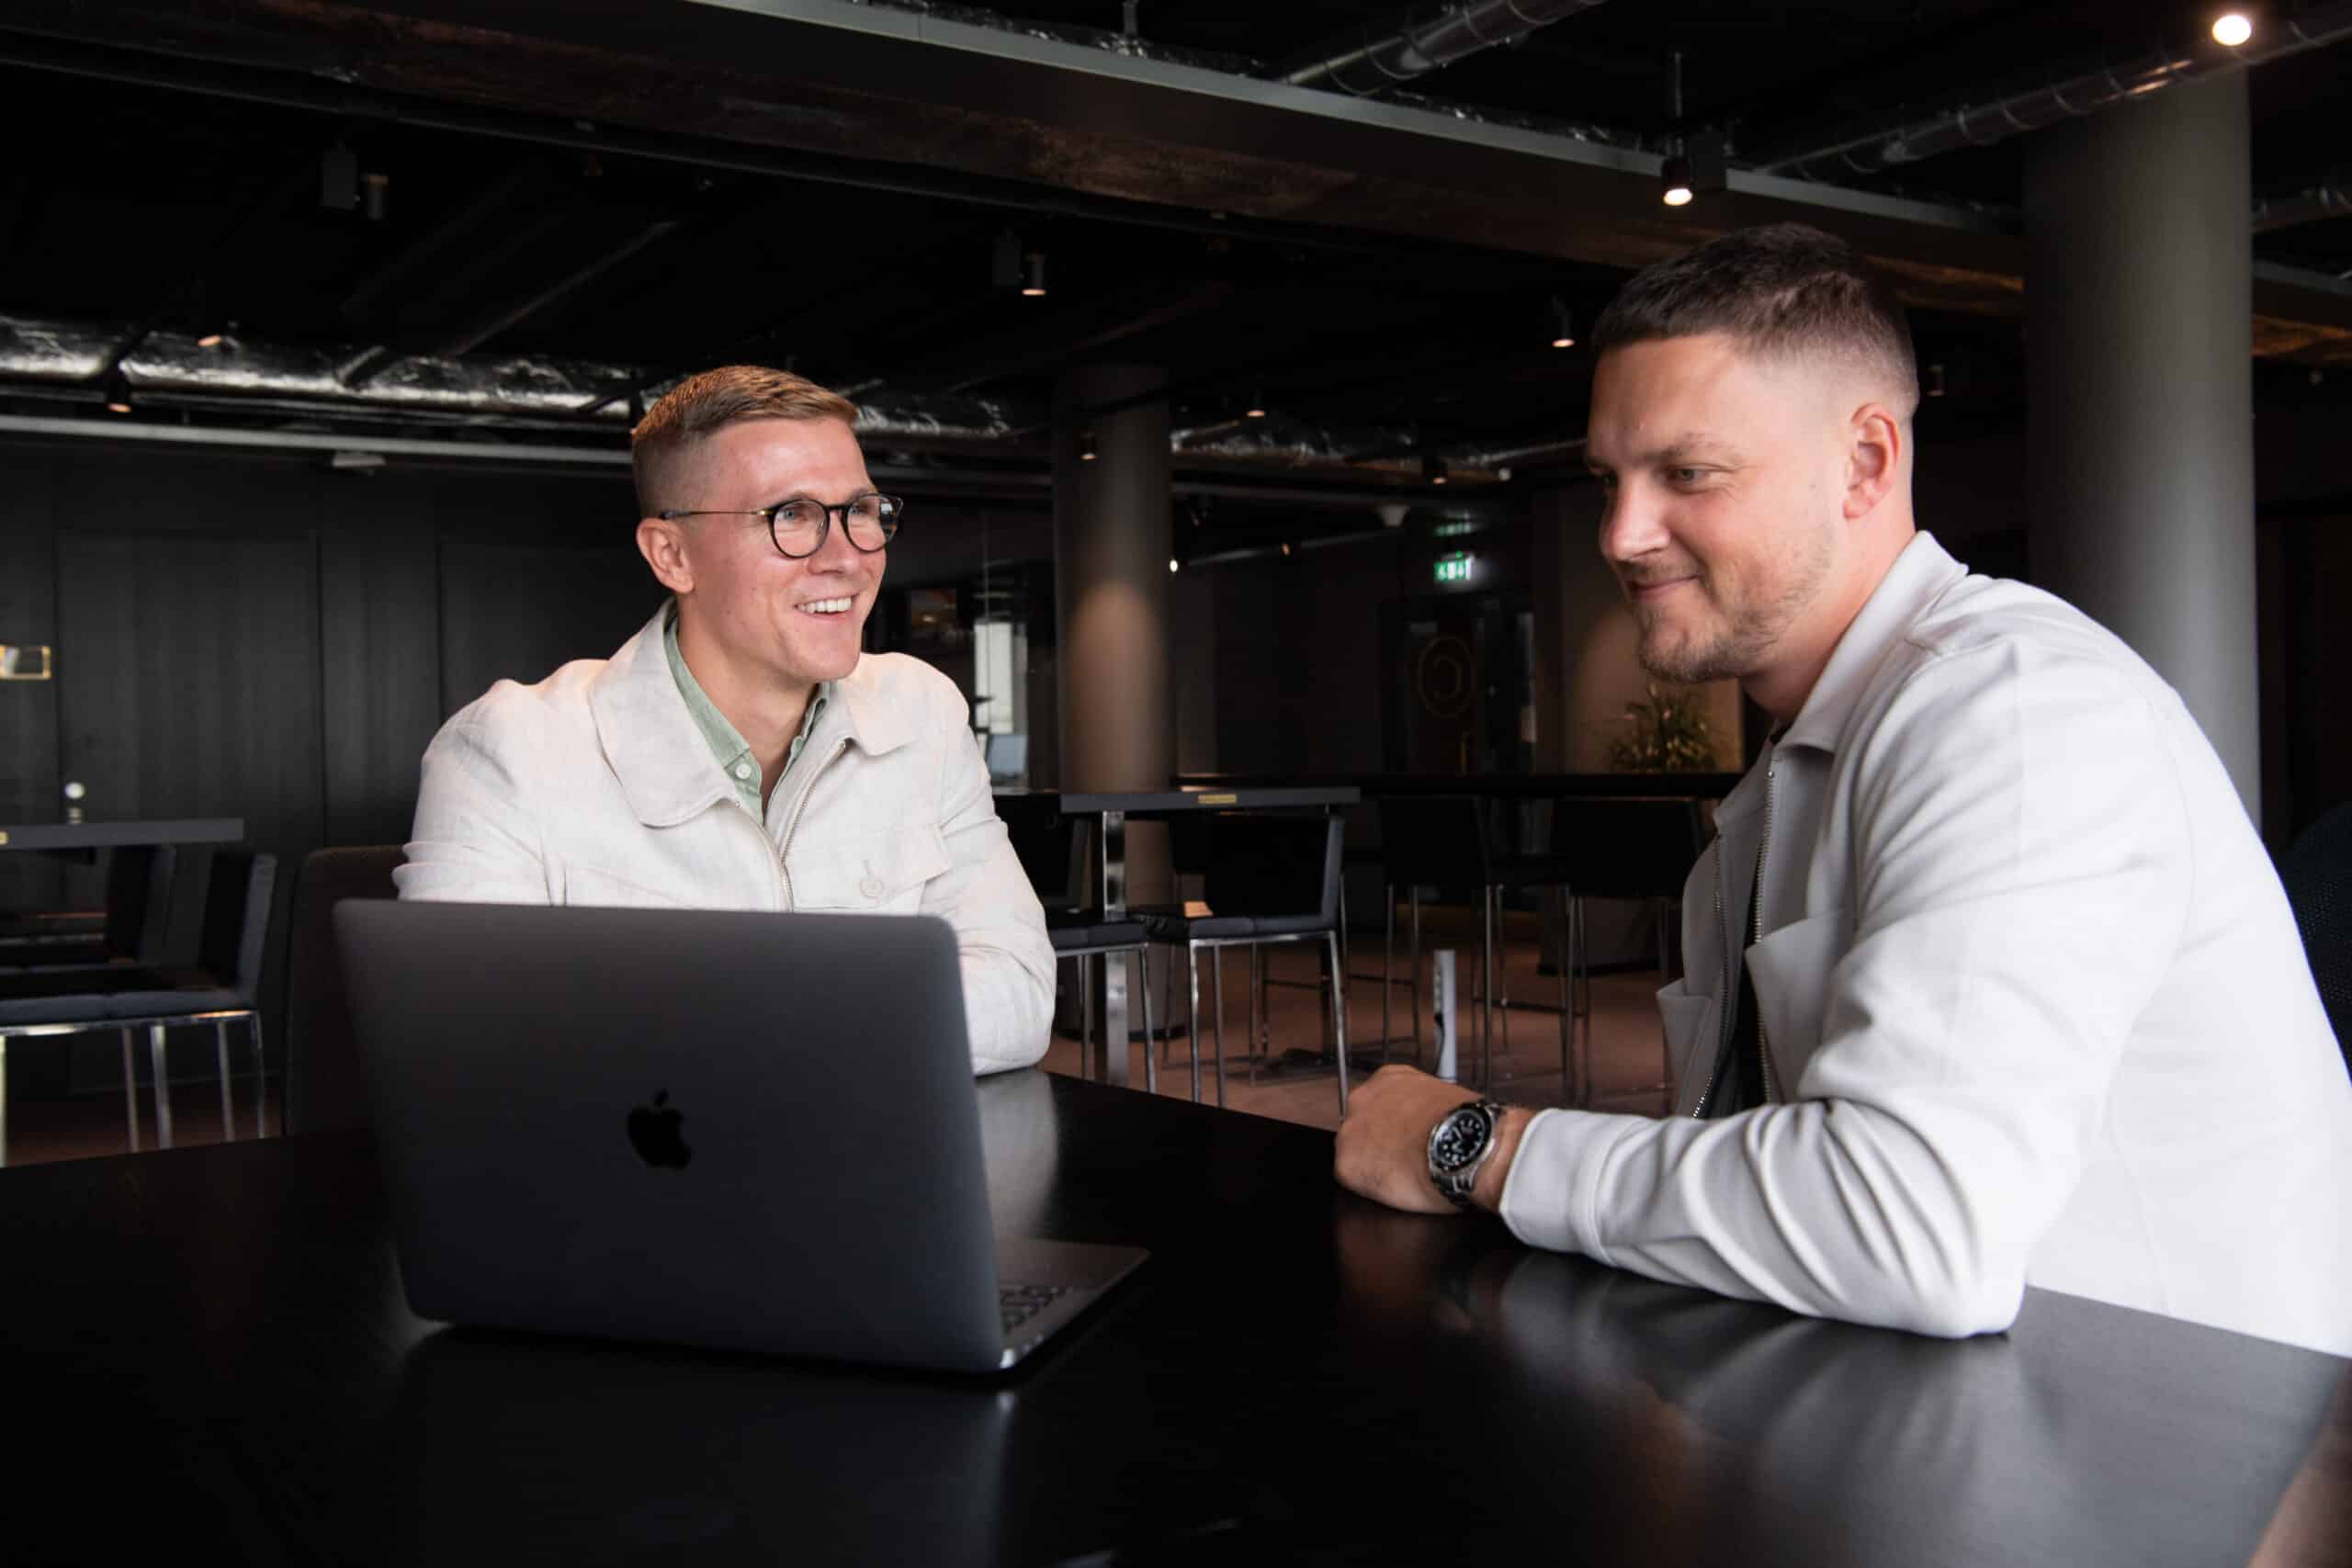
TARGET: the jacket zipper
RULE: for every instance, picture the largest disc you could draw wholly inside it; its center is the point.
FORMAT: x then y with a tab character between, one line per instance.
792	825
1730	1012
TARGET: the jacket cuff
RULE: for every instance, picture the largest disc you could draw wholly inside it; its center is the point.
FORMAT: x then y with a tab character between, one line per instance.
1549	1197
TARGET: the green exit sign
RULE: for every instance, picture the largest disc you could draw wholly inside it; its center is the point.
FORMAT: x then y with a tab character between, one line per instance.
1454	567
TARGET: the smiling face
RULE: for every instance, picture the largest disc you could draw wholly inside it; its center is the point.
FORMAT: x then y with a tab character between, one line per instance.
769	622
1728	478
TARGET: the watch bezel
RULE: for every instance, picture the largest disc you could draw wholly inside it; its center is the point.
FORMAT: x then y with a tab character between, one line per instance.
1455	1183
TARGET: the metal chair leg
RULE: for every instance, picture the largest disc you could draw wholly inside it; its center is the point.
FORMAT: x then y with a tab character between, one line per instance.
130	1091
1085	1017
1261	1044
261	1079
1570	1091
163	1086
1216	1014
1387	959
220	1056
1340	1010
1192	1013
1487	996
1143	987
1417	974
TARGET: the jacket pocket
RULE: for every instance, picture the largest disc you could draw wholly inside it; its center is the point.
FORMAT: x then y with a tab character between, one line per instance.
594	885
1690	1018
1790	969
875	874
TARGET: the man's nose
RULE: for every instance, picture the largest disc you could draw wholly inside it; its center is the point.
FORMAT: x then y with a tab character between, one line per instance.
1632	525
835	553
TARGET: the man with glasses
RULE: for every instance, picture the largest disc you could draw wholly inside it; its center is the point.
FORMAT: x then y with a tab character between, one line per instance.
739	752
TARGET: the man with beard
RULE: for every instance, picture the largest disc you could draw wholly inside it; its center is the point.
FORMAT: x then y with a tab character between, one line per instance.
1990	980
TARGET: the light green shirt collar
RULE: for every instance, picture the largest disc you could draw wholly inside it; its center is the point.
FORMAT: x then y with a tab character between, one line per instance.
726	743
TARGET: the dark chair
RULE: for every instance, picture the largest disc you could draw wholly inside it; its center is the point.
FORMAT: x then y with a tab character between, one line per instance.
323	1085
1052	851
1439	842
1639	848
223	987
2317	873
1268	880
132	927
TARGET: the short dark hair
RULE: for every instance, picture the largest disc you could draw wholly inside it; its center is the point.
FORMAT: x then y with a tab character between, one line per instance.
1781	289
703	404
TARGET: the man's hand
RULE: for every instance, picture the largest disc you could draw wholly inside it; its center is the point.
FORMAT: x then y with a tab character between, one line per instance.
1383	1147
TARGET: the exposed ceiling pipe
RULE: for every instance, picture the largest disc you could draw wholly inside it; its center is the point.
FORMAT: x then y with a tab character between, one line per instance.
1882	144
1383	61
2332	197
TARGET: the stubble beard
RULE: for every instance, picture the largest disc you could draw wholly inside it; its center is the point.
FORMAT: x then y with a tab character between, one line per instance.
1749	631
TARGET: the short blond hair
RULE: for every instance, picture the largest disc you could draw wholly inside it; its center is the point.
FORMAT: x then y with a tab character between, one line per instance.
703	404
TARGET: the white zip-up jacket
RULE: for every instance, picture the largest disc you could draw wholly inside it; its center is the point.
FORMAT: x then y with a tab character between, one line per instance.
2034	1008
594	786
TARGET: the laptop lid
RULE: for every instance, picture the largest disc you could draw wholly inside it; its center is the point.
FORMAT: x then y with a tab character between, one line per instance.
743	1130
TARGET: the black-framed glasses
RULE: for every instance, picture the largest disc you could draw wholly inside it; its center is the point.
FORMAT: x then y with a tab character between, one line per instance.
799	525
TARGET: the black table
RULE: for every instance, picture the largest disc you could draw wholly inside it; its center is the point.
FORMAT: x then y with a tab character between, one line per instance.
1115	807
208	1353
68	838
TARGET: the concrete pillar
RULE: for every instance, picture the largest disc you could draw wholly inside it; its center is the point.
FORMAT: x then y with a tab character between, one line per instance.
2140	392
1111	554
1110	598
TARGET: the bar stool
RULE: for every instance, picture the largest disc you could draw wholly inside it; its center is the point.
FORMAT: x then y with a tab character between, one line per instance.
1052	848
222	989
1270	880
1439	841
1636	848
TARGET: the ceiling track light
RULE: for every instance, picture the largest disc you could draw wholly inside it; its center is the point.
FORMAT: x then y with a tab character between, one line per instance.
1257	409
1561	325
1033	284
118	394
1433	467
1086	446
2233	28
1675	179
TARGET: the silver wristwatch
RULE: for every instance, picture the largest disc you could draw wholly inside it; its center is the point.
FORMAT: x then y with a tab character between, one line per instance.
1460	1145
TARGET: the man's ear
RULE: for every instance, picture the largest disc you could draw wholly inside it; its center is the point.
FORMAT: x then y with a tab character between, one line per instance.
662	543
1877	445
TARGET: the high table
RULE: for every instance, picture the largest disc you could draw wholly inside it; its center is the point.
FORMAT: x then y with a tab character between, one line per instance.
1115	807
76	838
208	1353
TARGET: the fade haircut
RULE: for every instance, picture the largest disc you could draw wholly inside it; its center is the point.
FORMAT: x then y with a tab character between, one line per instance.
1785	290
701	406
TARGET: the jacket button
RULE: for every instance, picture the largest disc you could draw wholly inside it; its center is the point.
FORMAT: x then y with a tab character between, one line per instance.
871	887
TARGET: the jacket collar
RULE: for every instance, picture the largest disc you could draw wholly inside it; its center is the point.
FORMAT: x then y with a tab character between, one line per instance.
1922	574
664	764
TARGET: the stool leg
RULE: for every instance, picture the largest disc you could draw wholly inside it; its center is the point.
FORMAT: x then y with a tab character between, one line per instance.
1416	897
1259	1043
1387	958
1486	995
220	1056
1217	1011
1340	1010
129	1092
1192	1013
3	1100
163	1086
1569	1094
261	1083
1143	987
1085	1017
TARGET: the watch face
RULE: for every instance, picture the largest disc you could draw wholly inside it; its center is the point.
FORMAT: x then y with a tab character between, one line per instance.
1459	1139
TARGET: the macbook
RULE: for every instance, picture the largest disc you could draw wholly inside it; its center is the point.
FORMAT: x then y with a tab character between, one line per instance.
743	1131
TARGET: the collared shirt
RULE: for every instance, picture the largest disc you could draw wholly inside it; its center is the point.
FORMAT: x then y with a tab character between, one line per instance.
726	743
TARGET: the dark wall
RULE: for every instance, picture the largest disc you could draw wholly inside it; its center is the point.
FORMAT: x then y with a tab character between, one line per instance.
267	638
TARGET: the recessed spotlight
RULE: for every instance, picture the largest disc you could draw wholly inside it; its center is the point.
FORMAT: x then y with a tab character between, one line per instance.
1171	563
2231	28
212	340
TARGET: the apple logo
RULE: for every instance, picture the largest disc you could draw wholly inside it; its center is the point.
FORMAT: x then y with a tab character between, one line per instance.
653	1133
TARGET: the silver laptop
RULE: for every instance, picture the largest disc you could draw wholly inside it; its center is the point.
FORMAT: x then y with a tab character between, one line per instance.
745	1131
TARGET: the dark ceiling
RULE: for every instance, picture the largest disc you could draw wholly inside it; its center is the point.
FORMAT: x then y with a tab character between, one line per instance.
169	202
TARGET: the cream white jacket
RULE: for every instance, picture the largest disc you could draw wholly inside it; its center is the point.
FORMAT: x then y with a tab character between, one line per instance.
2034	1006
593	786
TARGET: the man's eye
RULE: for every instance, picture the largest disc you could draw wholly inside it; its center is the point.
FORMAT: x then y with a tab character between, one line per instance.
799	514
1685	476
